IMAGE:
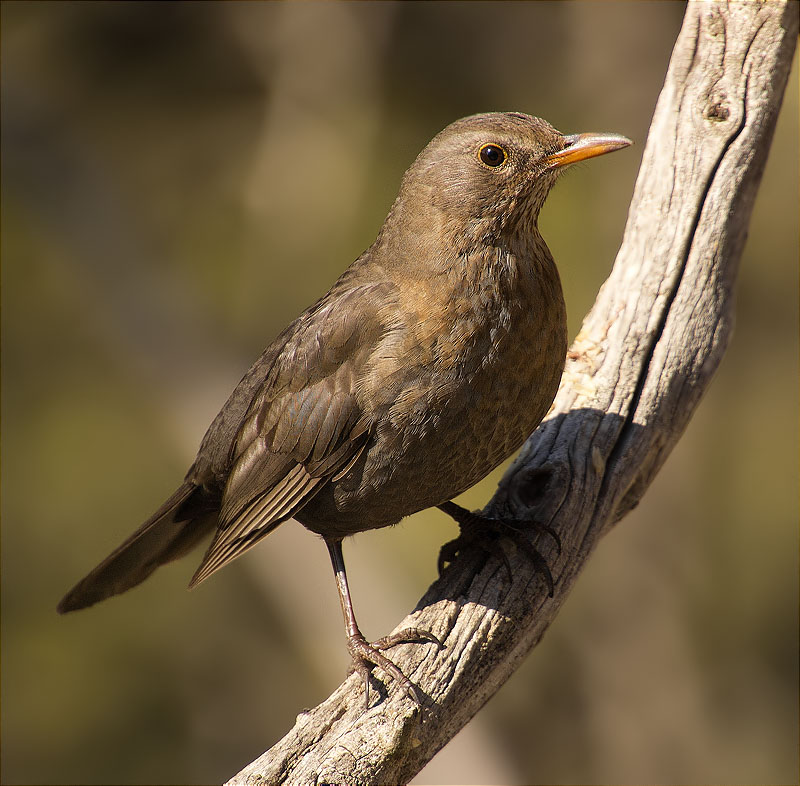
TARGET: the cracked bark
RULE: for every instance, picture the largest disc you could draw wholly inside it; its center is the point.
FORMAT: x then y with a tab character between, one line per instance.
634	375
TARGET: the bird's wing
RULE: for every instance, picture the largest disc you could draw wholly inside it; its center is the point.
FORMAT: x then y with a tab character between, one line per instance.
304	425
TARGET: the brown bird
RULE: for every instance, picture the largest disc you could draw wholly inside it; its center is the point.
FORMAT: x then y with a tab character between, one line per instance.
429	362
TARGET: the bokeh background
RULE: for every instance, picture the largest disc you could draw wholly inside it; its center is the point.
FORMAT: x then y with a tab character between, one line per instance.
181	180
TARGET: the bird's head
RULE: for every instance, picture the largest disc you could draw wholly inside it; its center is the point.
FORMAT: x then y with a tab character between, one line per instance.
488	175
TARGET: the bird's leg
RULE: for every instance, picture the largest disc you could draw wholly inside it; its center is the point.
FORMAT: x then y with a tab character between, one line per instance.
362	652
485	533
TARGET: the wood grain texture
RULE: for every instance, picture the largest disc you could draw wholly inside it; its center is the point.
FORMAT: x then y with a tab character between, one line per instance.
635	374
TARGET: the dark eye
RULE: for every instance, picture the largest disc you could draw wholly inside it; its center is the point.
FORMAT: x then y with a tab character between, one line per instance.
492	155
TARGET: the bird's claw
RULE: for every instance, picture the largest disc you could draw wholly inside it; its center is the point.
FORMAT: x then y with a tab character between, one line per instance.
407	636
485	533
366	655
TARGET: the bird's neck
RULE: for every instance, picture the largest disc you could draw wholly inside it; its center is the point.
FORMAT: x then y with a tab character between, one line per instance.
440	242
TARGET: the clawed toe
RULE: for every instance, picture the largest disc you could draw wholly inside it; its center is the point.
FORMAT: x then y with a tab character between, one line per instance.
485	533
407	636
554	536
486	541
366	655
539	563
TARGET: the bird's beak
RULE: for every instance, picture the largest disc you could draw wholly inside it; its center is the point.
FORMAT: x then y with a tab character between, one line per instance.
578	147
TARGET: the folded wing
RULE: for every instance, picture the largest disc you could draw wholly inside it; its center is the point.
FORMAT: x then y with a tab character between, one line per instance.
303	428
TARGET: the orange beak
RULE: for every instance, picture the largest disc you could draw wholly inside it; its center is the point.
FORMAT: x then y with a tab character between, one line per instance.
579	147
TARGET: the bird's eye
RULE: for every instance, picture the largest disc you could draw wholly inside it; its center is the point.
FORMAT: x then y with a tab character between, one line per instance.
492	155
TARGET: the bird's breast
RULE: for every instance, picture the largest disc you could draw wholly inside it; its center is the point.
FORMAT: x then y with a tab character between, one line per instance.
464	375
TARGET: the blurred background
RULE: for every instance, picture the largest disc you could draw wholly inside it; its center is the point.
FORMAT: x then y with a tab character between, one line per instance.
180	181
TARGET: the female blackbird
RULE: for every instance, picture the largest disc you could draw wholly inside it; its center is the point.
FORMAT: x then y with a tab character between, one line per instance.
428	363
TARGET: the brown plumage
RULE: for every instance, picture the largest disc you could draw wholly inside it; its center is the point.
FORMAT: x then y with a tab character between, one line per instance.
430	360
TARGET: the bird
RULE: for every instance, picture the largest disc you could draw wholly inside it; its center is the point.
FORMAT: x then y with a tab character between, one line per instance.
429	361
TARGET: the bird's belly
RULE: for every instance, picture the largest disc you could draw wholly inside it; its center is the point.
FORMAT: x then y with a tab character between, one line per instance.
440	435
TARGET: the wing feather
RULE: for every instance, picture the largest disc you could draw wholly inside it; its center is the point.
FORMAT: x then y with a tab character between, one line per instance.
258	519
303	428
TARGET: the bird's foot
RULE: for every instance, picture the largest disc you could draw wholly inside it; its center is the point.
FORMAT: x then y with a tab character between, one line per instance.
407	636
366	655
485	533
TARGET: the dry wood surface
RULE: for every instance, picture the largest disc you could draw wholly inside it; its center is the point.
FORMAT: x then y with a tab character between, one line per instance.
645	354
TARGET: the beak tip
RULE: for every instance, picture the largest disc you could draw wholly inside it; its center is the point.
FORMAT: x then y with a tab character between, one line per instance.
578	147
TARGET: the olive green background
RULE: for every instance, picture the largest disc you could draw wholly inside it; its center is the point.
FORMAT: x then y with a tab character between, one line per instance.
181	180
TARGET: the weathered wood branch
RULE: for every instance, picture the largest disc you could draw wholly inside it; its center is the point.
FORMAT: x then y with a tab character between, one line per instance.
645	355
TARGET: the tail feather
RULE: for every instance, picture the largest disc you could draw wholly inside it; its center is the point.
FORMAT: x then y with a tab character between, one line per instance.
175	528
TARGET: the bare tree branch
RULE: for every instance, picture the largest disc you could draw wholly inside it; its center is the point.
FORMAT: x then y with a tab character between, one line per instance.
645	355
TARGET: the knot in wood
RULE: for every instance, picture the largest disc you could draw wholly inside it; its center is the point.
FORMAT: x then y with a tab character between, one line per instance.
717	112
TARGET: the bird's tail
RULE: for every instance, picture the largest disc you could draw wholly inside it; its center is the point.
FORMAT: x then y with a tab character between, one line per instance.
175	528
